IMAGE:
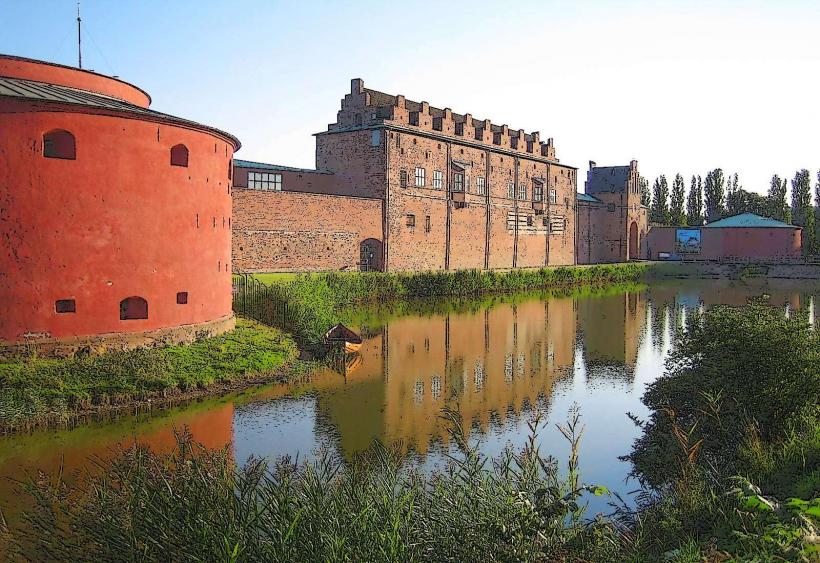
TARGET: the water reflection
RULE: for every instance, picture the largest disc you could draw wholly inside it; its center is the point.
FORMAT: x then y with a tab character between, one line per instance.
493	361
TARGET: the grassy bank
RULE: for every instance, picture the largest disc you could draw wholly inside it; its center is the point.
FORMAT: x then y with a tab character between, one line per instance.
728	459
37	391
316	302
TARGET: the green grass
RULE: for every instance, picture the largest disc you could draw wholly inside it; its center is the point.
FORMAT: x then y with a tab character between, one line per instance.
318	301
33	387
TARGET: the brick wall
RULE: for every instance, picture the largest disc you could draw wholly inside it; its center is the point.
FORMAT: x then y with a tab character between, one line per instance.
293	231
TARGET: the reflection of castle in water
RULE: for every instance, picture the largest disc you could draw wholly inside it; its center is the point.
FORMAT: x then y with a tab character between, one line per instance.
486	365
610	330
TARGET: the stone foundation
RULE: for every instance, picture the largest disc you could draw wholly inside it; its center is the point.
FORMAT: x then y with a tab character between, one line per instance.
100	343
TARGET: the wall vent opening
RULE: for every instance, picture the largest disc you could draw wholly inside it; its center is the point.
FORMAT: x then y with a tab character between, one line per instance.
65	306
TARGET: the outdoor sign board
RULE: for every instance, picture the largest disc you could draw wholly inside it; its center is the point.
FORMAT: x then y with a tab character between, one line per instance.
687	241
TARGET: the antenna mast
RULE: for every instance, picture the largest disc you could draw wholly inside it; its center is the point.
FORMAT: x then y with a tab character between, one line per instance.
79	37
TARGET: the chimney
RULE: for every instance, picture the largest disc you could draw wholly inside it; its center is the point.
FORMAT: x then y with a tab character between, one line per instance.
425	107
448	113
400	101
592	164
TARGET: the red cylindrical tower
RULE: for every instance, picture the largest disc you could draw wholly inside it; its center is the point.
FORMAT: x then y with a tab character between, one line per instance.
114	219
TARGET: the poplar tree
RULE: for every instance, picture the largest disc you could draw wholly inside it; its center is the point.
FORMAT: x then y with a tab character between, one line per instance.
646	195
676	207
694	203
816	249
659	210
714	196
778	204
734	197
802	208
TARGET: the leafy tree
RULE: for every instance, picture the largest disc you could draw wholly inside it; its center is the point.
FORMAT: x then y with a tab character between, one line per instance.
802	209
714	196
817	215
734	371
694	203
735	203
659	210
646	195
778	206
676	208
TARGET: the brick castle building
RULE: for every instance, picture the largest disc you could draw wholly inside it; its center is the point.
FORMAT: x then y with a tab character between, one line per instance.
612	223
400	185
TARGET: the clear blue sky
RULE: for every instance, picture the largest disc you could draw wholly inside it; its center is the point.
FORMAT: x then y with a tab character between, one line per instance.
683	86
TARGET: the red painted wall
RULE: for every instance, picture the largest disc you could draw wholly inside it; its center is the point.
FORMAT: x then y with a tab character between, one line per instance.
118	221
753	243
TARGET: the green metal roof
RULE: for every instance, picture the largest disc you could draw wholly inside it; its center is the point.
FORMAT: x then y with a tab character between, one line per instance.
587	197
746	220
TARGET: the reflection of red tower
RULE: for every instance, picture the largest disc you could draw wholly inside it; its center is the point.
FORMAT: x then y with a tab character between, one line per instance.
116	218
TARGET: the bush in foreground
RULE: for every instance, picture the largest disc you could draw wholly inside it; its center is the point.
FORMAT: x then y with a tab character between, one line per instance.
194	505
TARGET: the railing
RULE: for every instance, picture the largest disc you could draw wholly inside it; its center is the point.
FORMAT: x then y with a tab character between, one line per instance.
259	301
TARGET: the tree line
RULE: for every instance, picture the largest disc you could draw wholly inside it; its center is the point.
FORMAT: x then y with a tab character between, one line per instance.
720	195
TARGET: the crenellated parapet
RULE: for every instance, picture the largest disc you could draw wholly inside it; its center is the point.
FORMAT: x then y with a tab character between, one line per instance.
364	107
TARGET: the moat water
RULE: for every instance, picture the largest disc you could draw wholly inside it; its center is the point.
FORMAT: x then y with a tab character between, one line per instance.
496	361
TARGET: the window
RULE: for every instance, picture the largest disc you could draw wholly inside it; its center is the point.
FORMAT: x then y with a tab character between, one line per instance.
437	179
420	177
427	224
375	138
553	196
403	178
522	192
182	298
537	191
529	220
230	169
179	155
59	144
265	181
411	220
132	308
479	185
65	306
458	181
511	190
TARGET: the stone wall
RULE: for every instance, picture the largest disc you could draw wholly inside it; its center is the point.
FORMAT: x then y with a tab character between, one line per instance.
297	232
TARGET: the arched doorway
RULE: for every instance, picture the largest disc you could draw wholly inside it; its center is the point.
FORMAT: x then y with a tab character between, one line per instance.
634	244
370	255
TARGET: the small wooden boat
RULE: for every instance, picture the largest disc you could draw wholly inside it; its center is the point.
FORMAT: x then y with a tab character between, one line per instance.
340	335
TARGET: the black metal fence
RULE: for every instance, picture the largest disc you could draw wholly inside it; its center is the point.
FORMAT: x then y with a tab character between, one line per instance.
259	301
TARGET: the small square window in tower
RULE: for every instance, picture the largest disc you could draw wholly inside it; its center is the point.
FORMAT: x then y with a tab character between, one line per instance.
65	306
182	298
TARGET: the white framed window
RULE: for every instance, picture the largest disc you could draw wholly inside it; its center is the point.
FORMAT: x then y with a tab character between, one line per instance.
458	181
421	179
437	183
265	181
553	196
479	185
537	192
522	192
511	190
